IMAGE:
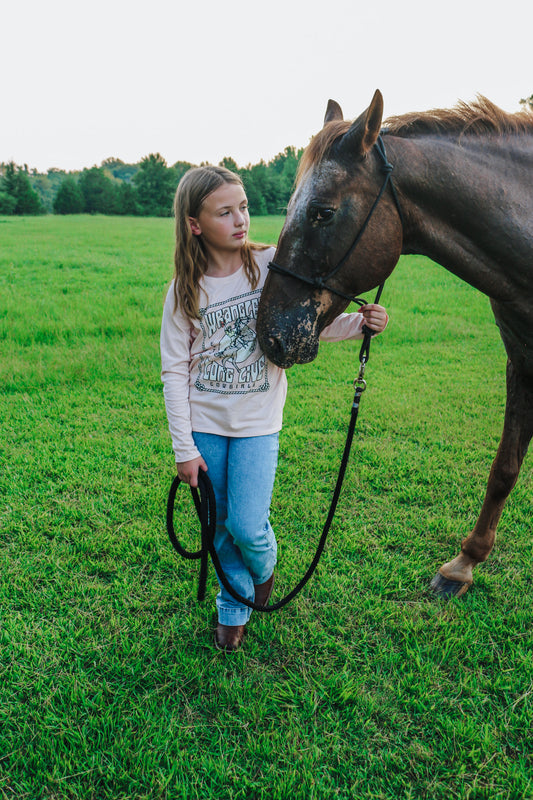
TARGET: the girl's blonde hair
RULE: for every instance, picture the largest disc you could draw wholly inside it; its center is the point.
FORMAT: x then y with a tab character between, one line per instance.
190	257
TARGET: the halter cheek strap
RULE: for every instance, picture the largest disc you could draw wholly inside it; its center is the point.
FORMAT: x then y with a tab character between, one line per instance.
321	282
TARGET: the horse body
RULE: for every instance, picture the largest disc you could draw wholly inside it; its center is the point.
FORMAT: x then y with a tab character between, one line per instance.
463	179
473	215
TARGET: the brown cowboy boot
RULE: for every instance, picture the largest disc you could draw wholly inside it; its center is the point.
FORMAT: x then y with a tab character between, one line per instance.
263	591
229	637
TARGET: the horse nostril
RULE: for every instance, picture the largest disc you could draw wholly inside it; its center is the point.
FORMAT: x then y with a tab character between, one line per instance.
274	350
273	347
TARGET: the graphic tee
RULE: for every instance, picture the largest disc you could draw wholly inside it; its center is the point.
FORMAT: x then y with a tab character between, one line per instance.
216	377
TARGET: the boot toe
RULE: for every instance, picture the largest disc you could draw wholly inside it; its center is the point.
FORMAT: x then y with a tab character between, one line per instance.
228	637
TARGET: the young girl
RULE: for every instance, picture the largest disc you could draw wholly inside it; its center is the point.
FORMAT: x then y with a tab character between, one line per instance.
224	399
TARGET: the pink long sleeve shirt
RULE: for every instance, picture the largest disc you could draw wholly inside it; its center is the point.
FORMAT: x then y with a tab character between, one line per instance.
216	378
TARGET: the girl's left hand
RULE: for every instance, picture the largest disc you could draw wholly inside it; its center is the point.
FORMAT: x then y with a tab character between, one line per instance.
376	317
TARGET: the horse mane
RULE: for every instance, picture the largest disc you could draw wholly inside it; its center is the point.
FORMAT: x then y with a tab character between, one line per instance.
475	118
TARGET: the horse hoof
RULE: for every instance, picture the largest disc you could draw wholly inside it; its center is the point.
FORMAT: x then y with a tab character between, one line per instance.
446	588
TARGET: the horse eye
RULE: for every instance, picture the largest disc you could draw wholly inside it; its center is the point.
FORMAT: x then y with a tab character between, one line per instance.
323	214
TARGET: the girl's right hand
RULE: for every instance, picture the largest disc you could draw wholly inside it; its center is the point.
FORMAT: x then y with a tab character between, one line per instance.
188	470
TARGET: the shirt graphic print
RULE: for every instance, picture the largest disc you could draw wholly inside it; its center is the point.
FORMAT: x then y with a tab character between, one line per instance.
231	361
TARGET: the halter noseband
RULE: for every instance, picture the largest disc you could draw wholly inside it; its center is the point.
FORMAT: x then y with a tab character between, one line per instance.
322	282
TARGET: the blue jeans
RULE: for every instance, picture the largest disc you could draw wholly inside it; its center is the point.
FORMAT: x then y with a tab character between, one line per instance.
242	471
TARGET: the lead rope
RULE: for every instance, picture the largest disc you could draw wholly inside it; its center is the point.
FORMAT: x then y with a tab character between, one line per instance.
205	505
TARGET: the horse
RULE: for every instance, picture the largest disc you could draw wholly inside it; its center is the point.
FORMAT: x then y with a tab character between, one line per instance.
451	184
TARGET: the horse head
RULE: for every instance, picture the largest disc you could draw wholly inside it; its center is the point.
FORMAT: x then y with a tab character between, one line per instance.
339	177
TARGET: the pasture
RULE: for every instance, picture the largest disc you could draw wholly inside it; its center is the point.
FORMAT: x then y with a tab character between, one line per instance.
363	687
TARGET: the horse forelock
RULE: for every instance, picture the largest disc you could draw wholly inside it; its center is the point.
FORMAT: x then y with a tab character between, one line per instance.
320	145
475	118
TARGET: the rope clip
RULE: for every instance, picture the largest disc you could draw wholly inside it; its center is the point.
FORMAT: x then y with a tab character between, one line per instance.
360	380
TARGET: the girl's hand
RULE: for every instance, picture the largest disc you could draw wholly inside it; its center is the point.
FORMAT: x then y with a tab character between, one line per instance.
188	470
376	317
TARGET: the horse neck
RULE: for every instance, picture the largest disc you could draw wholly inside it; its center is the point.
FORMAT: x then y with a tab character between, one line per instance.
455	210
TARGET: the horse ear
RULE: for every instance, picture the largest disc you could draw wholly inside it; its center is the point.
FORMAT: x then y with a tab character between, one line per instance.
365	130
333	111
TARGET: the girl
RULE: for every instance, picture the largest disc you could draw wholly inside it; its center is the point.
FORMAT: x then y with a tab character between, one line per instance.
224	399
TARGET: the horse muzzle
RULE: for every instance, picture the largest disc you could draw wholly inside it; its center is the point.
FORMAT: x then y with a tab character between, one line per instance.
287	339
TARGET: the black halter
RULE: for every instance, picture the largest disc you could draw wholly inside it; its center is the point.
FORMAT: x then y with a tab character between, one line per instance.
321	282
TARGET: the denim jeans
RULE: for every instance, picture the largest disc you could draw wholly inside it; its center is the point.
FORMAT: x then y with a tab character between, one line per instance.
242	471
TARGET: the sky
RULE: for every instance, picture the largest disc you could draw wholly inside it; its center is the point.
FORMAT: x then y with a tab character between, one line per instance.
198	80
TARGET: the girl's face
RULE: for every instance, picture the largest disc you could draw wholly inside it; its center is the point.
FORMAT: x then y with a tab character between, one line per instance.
223	220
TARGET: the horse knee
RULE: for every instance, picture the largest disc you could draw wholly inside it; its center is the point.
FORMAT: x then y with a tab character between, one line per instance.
503	478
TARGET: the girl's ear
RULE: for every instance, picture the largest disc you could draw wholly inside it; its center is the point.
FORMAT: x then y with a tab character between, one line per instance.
195	228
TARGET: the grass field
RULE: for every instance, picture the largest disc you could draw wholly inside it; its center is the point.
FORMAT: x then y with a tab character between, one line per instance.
363	687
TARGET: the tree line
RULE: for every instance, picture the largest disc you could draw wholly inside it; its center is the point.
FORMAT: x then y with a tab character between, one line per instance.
143	189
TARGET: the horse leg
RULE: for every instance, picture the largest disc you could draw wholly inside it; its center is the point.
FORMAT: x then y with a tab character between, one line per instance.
455	577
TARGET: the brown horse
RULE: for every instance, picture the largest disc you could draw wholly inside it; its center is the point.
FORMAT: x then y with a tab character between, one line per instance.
460	193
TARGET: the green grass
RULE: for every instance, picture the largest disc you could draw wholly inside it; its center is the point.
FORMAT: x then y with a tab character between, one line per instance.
363	687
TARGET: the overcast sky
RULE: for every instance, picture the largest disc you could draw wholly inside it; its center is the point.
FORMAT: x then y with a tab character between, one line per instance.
203	79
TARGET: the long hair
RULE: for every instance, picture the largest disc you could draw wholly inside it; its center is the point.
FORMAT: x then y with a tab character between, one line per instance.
190	257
